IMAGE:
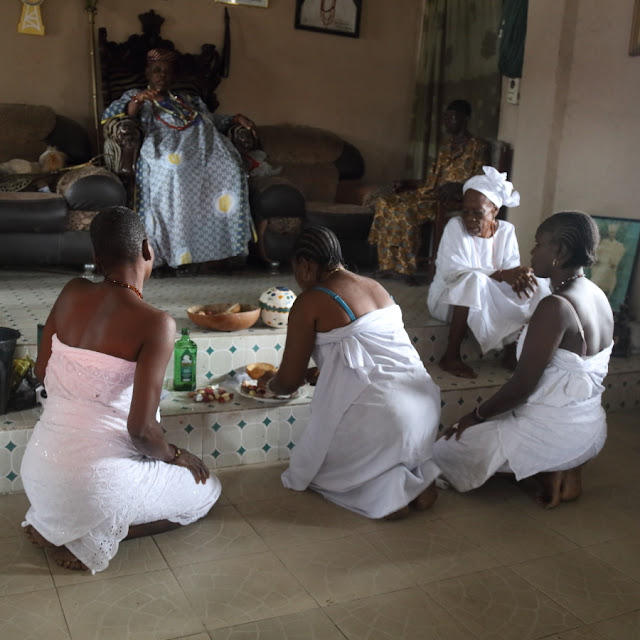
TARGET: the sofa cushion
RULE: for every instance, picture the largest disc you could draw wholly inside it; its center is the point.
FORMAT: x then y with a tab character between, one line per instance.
316	181
23	130
78	220
298	144
91	189
32	212
72	138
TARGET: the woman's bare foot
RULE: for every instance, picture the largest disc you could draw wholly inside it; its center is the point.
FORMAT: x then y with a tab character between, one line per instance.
559	486
426	498
36	538
64	558
549	495
571	485
399	514
457	367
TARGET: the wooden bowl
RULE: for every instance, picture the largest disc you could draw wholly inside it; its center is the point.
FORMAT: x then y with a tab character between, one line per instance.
256	369
218	321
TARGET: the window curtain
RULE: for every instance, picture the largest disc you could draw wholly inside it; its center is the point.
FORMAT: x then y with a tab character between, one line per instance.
457	59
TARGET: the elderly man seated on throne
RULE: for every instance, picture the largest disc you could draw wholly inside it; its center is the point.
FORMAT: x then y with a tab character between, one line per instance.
191	184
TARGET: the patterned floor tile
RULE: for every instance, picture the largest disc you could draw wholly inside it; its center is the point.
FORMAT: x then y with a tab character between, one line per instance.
306	625
409	614
623	554
33	616
24	567
509	535
12	513
586	586
222	533
298	518
343	569
232	591
149	606
626	627
430	550
253	483
497	604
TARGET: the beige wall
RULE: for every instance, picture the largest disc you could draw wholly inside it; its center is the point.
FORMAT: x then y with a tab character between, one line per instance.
576	131
360	88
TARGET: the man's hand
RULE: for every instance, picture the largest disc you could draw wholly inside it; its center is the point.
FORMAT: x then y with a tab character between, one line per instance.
245	122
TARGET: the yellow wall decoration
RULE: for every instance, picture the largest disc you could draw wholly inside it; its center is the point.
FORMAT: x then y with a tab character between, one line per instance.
31	18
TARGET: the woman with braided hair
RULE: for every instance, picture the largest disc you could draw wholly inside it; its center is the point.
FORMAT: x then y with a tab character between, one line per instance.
547	420
375	411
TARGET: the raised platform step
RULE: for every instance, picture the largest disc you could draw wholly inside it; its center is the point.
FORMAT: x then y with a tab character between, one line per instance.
246	431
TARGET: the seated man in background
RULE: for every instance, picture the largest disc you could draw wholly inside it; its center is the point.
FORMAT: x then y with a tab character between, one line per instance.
398	216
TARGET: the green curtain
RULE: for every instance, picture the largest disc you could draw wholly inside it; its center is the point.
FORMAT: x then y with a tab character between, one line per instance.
513	31
457	58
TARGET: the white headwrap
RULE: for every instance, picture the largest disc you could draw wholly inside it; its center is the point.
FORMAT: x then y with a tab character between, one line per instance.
495	186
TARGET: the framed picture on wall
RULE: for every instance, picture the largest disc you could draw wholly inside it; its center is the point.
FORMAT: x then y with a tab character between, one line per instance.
339	17
634	40
251	3
616	257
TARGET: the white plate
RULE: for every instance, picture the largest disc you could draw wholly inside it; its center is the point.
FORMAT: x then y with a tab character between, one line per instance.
300	393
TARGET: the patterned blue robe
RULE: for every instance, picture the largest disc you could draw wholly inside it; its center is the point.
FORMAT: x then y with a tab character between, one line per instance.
192	187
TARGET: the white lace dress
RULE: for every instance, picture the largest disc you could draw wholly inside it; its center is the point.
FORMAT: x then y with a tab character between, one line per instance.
85	480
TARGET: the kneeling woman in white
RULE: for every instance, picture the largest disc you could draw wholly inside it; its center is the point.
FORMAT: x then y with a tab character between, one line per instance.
479	283
548	418
375	411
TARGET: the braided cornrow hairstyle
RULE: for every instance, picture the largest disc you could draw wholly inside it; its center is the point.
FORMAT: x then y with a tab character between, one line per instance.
319	244
577	233
117	234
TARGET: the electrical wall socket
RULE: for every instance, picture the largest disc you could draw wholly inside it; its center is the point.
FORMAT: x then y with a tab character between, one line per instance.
513	90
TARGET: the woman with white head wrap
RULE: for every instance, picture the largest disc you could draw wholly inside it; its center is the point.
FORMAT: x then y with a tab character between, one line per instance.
479	283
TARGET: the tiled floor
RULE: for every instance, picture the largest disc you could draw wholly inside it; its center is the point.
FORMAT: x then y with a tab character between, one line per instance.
273	564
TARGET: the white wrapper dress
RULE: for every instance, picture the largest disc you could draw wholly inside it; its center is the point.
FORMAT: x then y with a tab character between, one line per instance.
374	418
85	480
560	426
463	269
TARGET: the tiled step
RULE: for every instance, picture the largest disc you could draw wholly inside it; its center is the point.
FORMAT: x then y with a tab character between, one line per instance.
246	431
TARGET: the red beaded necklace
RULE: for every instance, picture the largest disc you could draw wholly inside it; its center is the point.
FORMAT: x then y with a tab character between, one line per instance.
126	285
188	119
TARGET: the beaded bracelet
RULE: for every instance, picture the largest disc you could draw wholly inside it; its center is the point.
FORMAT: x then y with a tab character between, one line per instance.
477	416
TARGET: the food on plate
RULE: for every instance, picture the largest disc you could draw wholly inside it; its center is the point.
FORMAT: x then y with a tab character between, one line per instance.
258	369
251	388
211	394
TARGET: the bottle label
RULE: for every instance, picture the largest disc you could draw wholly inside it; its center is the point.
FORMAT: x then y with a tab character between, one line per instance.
186	368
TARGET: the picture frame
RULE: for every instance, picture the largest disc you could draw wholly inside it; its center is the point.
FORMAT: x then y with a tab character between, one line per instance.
336	17
616	258
634	40
264	4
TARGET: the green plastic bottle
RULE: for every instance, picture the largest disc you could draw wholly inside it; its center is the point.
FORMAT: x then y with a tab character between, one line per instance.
184	363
